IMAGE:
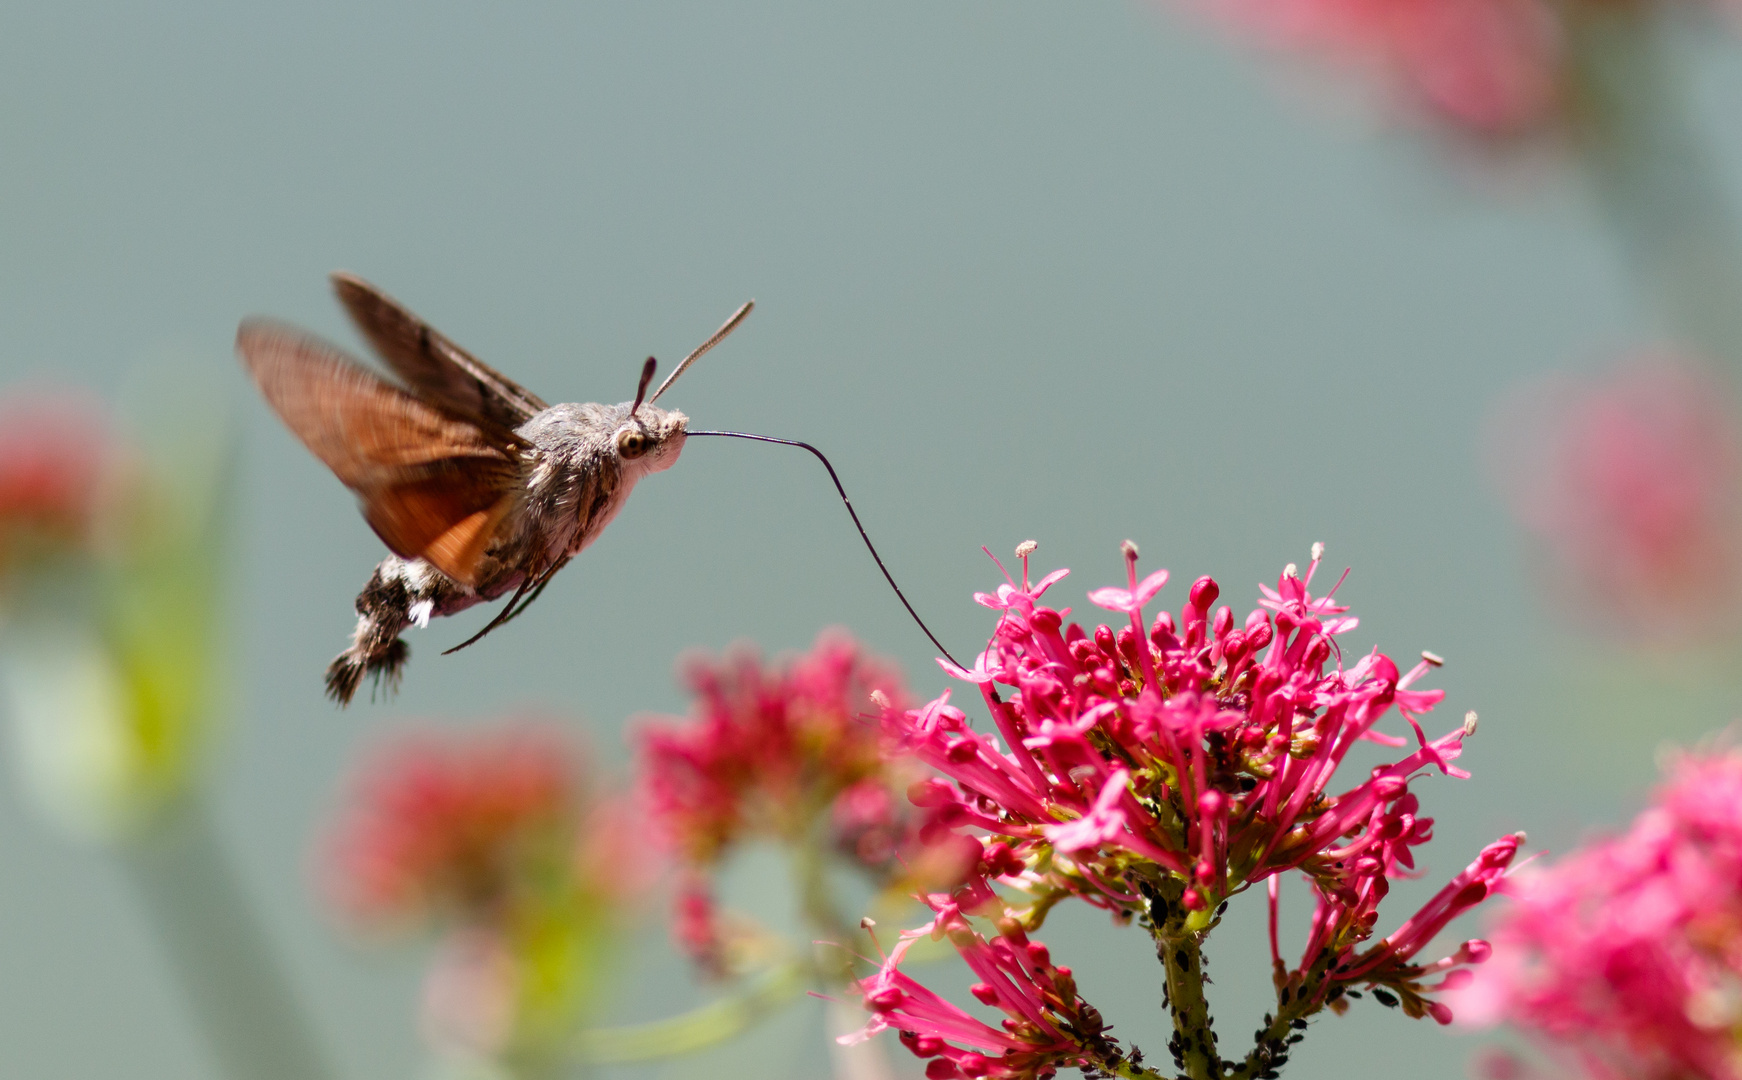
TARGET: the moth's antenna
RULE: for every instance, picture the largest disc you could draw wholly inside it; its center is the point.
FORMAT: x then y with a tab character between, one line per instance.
719	336
845	501
646	377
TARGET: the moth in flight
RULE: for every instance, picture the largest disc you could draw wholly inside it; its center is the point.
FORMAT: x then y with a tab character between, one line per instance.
478	487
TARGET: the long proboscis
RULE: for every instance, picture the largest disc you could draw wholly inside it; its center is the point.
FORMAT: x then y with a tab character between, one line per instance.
719	336
848	503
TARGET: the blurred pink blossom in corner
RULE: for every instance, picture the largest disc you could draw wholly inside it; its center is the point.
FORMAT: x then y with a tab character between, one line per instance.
1498	70
1631	482
1624	958
1491	67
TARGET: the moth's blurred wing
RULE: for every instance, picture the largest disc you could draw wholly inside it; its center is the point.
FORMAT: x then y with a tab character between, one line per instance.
434	366
447	519
433	486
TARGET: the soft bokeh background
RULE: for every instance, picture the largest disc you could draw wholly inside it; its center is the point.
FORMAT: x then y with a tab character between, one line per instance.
1069	272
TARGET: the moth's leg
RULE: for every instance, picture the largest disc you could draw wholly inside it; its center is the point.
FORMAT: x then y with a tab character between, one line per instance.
400	594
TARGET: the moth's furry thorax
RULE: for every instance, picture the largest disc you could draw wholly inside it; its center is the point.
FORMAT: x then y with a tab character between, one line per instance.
584	461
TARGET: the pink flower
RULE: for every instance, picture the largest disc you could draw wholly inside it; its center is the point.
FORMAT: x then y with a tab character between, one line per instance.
56	460
764	744
1047	1025
1627	953
1633	482
491	837
1158	768
1491	67
768	752
453	823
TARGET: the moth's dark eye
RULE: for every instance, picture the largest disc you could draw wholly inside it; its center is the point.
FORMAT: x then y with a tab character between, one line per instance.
632	442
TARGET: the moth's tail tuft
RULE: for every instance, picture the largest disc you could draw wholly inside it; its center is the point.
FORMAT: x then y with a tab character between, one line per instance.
347	671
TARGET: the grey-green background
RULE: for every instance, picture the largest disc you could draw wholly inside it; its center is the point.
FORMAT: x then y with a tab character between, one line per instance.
1074	272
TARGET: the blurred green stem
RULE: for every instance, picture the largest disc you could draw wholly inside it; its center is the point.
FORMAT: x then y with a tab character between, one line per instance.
219	951
762	995
697	1029
1655	180
817	902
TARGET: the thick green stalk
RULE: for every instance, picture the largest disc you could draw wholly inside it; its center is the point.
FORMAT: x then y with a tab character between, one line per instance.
1133	1072
1297	997
1194	1039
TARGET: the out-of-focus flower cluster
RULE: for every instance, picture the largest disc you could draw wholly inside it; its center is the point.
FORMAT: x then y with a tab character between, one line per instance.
1490	68
1633	483
791	753
1626	955
108	580
1156	769
494	839
58	459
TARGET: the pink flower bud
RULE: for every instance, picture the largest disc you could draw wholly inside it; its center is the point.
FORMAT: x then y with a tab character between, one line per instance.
1203	593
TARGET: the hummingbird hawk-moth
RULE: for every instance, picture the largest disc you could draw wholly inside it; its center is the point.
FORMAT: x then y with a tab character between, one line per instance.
477	486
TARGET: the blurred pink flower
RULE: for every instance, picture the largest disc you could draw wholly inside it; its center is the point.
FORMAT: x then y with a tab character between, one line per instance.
771	751
1633	482
764	745
1626	955
1492	67
56	459
450	822
492	838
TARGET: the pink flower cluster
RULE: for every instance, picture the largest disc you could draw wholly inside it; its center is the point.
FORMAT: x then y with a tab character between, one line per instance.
1627	954
451	824
1633	481
778	751
1493	67
1157	768
764	744
55	462
491	837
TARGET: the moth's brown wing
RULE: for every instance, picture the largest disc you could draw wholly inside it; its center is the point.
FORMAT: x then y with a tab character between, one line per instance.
433	486
434	366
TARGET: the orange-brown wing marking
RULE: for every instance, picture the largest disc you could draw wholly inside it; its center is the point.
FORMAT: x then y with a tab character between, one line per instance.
433	486
446	520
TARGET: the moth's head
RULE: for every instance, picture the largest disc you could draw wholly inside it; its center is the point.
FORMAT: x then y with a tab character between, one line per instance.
650	438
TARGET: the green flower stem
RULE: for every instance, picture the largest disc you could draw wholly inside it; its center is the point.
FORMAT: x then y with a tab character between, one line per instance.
1298	996
1182	956
1129	1071
697	1029
1654	178
720	1020
221	955
816	899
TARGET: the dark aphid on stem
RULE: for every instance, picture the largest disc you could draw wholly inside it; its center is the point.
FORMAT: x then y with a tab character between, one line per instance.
478	487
